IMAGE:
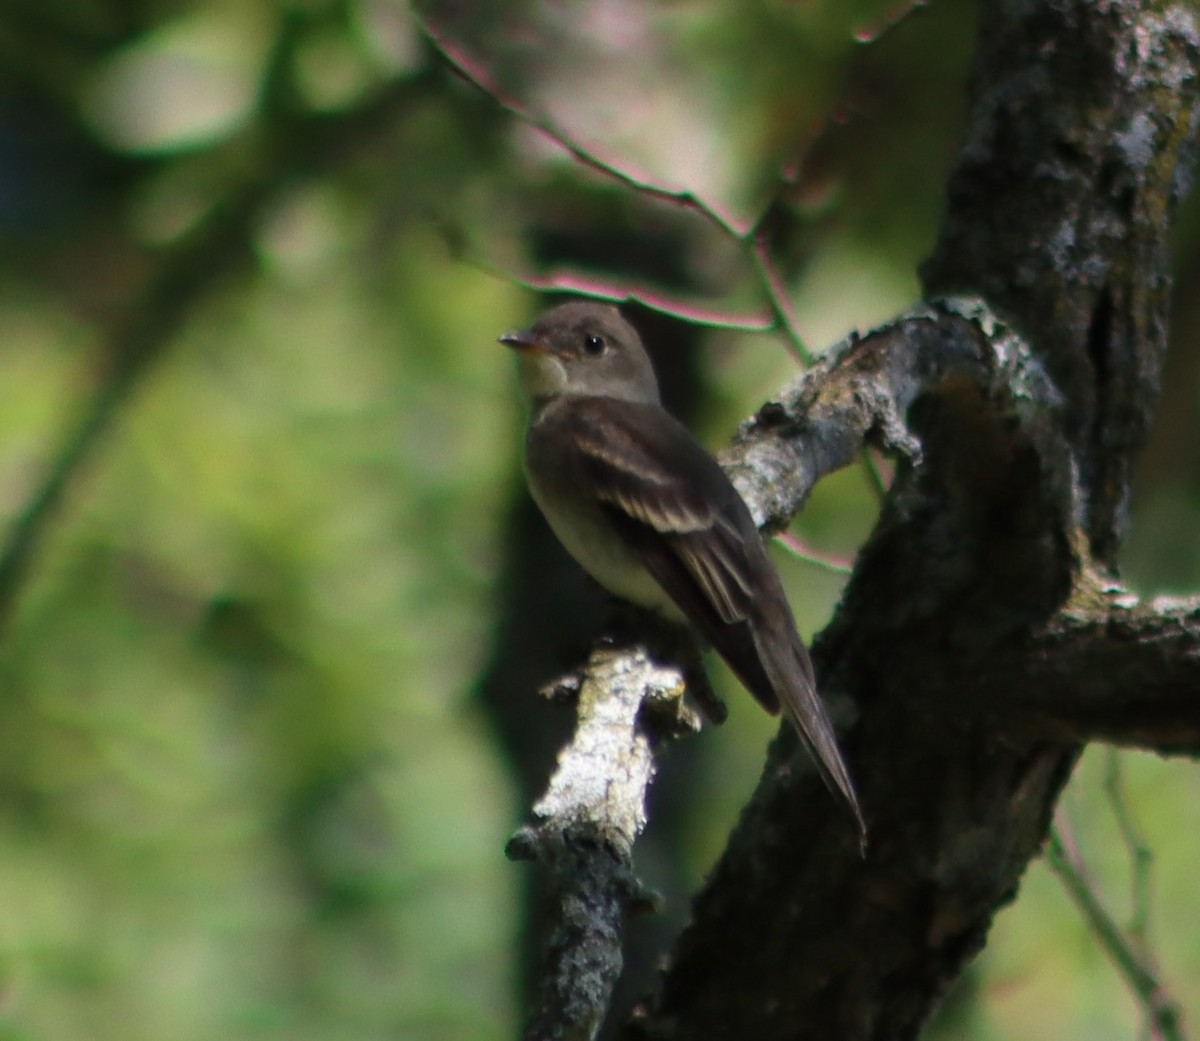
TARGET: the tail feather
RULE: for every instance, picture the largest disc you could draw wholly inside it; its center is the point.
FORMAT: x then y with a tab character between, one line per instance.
789	670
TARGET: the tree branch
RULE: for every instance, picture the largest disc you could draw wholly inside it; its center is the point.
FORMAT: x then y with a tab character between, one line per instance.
584	829
860	392
1120	671
1013	454
1080	142
1162	1012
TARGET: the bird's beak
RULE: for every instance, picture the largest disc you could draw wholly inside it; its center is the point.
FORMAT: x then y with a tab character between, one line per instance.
525	340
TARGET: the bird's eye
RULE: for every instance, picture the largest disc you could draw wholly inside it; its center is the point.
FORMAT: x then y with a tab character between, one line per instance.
593	344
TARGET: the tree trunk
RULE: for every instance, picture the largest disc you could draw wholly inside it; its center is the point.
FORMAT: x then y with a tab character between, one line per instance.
980	642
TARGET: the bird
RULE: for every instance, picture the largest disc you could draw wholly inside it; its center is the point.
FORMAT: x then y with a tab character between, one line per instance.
650	514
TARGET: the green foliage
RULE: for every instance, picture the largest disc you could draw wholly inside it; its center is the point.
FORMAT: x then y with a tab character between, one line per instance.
245	790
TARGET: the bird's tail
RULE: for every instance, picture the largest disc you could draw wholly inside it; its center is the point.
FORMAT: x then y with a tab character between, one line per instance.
790	673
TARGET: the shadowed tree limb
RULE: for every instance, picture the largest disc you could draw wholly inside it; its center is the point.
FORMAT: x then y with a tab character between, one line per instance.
1077	146
959	657
1120	670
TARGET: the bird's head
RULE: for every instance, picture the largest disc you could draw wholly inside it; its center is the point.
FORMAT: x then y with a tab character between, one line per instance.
584	348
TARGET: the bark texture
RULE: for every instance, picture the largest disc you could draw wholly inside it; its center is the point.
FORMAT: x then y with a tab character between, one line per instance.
969	640
1079	142
982	640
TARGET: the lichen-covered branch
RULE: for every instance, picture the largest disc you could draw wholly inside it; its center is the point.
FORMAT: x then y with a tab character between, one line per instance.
583	832
860	393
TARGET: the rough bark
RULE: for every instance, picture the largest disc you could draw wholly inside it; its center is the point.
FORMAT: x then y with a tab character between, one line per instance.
978	590
979	643
1078	144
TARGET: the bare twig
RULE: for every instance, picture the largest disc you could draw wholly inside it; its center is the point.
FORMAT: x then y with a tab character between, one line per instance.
1141	856
1162	1011
602	287
798	548
787	320
898	14
777	295
470	70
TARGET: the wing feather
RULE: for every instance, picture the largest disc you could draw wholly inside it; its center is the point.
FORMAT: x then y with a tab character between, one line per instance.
674	504
674	507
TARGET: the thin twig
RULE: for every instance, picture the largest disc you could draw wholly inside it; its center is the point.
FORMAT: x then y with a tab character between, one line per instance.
789	322
1141	856
800	549
900	13
777	295
1162	1011
472	73
566	280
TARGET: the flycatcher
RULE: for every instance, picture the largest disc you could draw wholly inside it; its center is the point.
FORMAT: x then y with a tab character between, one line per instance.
651	515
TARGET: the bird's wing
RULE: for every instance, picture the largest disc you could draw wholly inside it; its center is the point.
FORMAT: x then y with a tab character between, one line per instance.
677	510
674	505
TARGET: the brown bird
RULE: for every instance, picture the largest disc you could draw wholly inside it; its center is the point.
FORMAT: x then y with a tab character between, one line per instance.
650	514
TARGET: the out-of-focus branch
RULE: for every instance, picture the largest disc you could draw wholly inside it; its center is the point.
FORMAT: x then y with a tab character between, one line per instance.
132	345
777	294
1141	856
617	291
181	277
1161	1010
475	74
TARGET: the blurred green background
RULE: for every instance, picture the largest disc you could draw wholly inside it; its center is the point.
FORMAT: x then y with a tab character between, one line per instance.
249	785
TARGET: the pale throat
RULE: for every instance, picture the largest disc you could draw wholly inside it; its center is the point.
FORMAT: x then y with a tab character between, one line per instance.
541	375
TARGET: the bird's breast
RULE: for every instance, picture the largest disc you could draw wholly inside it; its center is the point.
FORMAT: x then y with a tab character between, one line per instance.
588	534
